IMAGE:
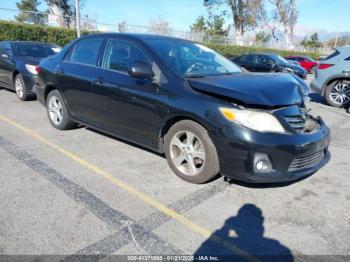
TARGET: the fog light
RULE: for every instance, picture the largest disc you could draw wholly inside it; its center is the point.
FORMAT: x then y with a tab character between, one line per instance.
262	163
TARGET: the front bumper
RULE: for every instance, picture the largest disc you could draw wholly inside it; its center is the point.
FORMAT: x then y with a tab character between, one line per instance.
237	146
40	90
29	81
316	86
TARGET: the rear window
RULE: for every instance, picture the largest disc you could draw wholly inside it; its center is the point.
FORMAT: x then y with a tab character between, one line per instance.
33	50
334	54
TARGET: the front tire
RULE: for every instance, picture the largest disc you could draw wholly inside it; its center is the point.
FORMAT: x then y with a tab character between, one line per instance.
21	88
190	152
57	111
338	93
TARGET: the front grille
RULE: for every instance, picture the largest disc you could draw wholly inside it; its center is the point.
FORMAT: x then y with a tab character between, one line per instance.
306	161
297	122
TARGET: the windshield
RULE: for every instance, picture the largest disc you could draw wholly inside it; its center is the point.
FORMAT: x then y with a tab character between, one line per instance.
34	50
187	59
282	60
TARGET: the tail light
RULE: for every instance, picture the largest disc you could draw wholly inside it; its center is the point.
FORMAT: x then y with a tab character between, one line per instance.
38	69
324	66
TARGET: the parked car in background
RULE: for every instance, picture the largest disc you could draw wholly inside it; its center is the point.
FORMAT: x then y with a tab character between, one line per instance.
268	62
304	61
332	78
293	62
17	65
184	100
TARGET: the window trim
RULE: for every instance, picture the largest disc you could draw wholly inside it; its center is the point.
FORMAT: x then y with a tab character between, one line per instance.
71	50
148	57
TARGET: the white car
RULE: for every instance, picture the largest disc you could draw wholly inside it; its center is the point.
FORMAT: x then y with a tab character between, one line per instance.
332	77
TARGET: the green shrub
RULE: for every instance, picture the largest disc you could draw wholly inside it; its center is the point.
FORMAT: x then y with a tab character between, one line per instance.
27	32
232	50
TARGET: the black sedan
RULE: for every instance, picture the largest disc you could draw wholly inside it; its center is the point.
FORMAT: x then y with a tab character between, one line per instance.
18	61
185	100
268	62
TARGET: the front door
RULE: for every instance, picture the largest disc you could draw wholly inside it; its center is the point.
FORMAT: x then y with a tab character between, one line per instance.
127	106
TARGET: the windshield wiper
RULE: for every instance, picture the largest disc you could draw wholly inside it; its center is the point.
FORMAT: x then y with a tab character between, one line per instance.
194	76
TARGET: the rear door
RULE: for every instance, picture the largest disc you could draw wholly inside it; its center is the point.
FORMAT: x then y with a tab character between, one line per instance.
75	75
127	106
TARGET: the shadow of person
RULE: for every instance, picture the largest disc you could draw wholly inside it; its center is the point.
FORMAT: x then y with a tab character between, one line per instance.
244	232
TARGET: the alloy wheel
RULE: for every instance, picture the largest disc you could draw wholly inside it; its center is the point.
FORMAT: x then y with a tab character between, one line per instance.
340	93
187	153
55	110
19	86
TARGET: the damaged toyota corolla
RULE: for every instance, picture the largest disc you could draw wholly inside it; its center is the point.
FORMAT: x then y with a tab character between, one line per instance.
183	99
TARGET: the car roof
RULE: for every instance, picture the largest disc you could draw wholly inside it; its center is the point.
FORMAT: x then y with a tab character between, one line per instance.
136	36
261	53
28	42
343	49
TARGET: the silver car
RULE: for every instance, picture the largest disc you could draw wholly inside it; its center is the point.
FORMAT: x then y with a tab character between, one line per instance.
332	77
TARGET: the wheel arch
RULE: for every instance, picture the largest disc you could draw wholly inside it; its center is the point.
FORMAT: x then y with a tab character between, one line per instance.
332	80
47	90
175	119
14	74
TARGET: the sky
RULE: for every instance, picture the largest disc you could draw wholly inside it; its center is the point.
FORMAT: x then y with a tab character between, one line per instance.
314	15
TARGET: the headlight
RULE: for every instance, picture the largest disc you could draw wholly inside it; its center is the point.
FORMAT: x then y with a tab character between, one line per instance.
31	69
259	121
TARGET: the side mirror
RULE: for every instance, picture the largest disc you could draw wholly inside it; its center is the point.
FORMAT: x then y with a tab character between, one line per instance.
141	71
4	56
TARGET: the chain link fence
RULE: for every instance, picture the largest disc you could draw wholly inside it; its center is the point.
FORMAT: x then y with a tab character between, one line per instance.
93	25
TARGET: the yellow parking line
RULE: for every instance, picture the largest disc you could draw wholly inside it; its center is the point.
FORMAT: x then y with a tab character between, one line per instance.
145	198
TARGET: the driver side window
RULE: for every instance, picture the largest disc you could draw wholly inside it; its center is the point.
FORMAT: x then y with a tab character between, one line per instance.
121	55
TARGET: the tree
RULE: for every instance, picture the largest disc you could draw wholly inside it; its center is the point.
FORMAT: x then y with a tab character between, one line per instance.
123	26
338	41
29	12
215	26
313	43
286	15
159	26
262	38
199	25
246	14
66	8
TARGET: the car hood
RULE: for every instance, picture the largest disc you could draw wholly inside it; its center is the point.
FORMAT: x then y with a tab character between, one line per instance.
268	90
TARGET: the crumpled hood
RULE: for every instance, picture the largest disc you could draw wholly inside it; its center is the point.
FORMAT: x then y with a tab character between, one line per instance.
270	90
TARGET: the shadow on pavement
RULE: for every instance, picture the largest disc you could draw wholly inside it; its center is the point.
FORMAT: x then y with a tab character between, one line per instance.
317	98
246	232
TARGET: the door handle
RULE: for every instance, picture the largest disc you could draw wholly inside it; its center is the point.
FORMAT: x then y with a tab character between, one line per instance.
98	82
60	71
346	71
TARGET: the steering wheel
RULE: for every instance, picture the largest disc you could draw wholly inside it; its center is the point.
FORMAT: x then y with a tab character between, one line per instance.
194	66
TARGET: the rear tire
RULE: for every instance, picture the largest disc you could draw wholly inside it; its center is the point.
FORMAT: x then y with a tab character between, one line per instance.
190	152
57	111
21	88
338	93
